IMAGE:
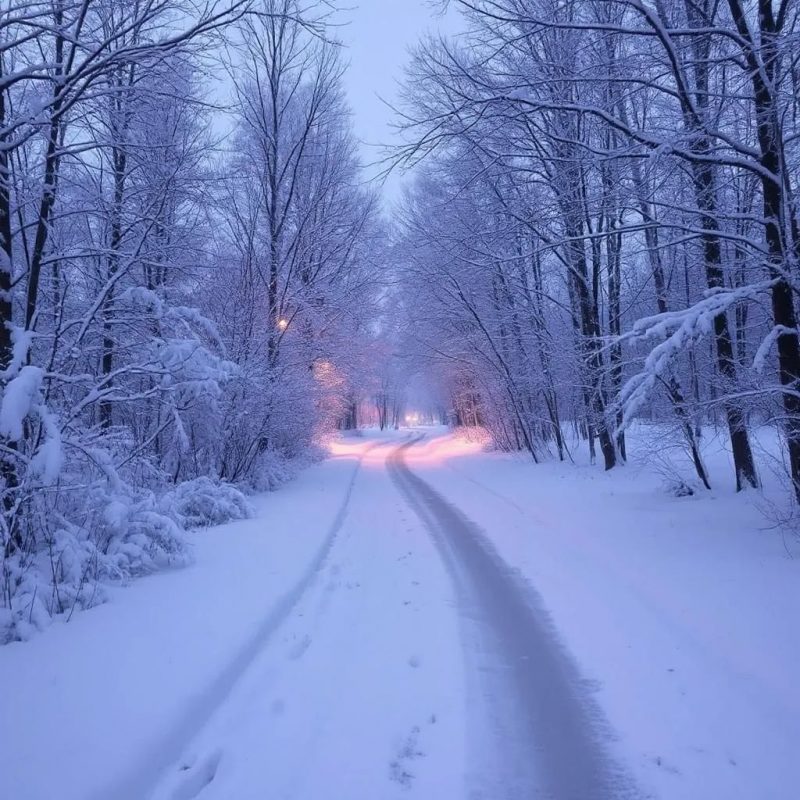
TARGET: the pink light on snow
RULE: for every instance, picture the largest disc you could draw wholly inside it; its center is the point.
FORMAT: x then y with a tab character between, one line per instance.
436	451
428	452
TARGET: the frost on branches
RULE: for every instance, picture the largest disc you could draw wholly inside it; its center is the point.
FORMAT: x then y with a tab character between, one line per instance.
180	322
603	229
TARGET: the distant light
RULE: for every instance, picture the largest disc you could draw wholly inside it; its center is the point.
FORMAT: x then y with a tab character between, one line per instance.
283	324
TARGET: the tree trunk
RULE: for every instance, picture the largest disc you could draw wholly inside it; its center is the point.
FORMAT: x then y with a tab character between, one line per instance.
781	226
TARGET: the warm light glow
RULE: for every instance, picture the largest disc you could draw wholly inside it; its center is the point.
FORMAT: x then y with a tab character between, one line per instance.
327	376
436	450
283	324
429	452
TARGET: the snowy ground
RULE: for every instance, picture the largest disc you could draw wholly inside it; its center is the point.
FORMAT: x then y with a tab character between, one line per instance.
682	612
418	619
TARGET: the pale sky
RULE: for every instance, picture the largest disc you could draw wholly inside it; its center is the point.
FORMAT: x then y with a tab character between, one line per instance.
377	36
377	41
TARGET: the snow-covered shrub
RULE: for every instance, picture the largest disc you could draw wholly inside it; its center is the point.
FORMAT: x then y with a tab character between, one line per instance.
121	535
679	487
151	361
476	435
664	447
272	469
203	502
137	538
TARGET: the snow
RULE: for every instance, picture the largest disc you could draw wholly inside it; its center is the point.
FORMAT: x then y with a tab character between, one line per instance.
764	349
22	342
203	502
677	609
49	457
322	649
679	329
101	705
359	693
19	397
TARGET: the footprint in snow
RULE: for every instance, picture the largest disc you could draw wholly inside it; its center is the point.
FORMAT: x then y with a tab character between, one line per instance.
197	775
399	769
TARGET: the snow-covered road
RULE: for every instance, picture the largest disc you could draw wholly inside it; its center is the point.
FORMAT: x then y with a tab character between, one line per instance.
415	662
535	729
359	693
411	619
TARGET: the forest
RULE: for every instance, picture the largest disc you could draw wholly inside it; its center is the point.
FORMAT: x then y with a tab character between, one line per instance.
605	223
199	285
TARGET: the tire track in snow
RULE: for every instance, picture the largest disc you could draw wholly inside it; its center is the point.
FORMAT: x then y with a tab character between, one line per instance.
145	776
547	737
699	632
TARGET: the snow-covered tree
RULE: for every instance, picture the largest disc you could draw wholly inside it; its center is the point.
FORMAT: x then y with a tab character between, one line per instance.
176	319
630	167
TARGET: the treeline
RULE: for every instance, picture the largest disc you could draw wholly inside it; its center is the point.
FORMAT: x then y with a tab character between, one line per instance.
605	221
185	276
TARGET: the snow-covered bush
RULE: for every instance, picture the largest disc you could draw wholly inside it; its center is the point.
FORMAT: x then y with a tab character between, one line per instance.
272	470
680	487
203	502
476	435
120	536
165	335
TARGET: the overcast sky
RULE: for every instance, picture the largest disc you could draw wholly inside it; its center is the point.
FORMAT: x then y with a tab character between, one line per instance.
377	38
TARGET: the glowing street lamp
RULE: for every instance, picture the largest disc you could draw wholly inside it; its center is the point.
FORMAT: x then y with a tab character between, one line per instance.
283	324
